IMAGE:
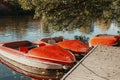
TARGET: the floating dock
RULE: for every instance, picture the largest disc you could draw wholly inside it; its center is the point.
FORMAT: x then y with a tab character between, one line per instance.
101	63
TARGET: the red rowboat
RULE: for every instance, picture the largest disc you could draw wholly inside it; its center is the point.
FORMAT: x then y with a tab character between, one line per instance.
104	39
42	60
75	46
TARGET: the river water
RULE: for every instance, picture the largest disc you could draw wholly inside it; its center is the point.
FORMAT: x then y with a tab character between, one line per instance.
25	28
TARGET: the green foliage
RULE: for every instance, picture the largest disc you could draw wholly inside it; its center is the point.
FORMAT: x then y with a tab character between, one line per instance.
26	4
82	38
75	13
12	7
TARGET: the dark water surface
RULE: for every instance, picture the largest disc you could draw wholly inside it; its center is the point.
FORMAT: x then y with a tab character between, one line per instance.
25	28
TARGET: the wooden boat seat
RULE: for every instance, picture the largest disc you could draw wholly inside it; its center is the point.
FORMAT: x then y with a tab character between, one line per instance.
23	49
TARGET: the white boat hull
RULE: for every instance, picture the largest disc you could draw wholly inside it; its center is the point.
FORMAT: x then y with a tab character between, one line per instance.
32	66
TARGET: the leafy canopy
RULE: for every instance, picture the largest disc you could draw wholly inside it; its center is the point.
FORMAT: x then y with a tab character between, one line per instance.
75	13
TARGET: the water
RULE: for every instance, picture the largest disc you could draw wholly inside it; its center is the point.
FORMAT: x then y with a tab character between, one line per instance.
25	28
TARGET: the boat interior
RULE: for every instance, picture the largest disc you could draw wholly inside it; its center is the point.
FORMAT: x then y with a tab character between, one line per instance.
17	44
52	40
23	46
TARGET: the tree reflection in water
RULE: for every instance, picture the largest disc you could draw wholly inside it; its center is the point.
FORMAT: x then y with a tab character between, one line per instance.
73	13
82	38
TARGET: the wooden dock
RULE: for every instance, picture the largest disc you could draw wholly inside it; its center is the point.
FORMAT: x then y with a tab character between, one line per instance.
101	63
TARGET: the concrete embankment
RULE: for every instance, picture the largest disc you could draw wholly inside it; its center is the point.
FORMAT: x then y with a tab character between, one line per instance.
102	63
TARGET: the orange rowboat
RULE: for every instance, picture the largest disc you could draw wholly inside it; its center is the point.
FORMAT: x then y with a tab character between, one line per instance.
104	39
75	46
42	60
53	54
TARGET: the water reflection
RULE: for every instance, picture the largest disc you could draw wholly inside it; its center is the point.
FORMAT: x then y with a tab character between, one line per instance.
17	28
8	74
75	14
13	28
102	25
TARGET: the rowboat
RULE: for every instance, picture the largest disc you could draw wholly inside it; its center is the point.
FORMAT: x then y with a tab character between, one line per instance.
75	46
37	60
104	39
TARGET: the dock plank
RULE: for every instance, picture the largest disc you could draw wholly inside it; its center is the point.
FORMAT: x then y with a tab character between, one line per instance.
103	63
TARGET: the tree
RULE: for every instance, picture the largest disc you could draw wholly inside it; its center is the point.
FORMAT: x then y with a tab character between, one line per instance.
12	7
75	13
